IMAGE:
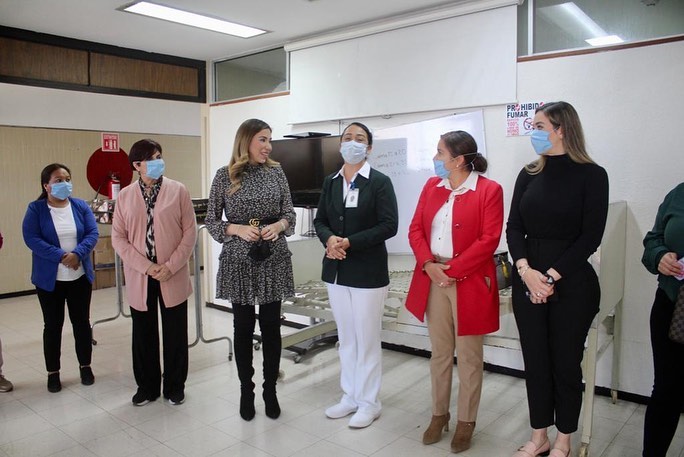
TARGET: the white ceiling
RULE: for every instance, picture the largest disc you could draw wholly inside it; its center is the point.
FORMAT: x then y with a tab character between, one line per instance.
100	21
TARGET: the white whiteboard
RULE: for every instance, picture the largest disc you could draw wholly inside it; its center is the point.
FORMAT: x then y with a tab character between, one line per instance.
404	153
459	62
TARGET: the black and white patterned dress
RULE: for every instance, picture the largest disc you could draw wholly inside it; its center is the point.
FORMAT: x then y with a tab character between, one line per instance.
264	194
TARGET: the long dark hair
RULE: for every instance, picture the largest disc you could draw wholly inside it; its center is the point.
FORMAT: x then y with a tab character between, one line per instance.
46	174
460	143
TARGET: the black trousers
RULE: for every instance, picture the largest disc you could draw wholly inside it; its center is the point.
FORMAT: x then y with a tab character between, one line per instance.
146	367
76	294
244	320
552	337
667	398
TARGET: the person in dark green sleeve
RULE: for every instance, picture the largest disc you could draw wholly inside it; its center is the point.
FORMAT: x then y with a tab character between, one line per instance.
357	213
663	254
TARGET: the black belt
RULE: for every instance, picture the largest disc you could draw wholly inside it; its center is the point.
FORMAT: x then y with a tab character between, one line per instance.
256	222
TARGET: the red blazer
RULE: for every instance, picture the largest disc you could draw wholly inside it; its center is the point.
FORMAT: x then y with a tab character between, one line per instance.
477	223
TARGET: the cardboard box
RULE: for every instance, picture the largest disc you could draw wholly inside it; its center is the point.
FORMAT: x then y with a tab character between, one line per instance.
104	278
103	254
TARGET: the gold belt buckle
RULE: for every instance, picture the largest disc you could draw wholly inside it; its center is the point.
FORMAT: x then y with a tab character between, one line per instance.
254	222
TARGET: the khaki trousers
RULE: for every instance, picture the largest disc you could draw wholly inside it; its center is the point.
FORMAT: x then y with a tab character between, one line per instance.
442	326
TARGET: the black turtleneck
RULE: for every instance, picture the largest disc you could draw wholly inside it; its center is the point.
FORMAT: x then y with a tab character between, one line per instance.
565	201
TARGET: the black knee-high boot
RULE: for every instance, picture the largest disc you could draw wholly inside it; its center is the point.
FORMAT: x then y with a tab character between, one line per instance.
243	334
269	323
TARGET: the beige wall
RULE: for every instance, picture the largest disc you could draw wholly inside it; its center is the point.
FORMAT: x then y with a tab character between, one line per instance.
23	154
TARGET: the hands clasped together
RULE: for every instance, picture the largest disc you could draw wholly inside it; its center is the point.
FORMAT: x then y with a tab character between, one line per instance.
159	272
539	290
336	248
436	272
268	232
70	260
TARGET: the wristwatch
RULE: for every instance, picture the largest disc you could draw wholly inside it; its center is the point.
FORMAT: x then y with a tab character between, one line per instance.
549	279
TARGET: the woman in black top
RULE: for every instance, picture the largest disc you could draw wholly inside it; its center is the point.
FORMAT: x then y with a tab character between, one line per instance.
557	217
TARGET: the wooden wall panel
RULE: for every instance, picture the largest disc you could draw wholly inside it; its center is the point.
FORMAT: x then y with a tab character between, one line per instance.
134	74
24	59
24	152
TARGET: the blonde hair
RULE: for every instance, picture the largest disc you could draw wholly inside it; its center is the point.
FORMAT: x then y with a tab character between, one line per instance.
240	158
563	114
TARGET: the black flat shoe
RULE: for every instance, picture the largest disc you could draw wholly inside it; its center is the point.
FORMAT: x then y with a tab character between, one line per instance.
54	384
87	376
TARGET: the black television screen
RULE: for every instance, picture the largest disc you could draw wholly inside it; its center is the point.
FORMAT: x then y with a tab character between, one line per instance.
306	162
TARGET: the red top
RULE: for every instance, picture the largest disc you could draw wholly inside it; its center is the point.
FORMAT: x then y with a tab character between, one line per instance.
477	222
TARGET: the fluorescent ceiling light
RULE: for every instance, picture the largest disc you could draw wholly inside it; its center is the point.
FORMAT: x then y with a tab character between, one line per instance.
576	22
604	40
194	20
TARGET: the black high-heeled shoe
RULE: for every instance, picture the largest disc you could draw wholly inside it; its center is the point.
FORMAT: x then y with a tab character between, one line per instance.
271	404
247	411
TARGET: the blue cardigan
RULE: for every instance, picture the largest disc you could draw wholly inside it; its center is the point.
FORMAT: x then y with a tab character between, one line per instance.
41	237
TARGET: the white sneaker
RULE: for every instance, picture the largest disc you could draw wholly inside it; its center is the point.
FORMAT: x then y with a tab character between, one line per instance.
340	410
362	419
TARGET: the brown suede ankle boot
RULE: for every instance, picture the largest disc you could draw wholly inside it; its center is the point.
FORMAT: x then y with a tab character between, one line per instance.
434	431
462	436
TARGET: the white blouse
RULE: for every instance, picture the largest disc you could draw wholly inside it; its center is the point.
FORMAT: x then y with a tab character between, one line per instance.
441	242
65	226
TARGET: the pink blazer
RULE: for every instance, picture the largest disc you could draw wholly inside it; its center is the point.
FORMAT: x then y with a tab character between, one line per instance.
477	223
175	233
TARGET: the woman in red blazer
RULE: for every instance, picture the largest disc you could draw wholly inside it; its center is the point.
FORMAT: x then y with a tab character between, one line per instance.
454	232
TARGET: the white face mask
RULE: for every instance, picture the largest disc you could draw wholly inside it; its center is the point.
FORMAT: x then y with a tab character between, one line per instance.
353	152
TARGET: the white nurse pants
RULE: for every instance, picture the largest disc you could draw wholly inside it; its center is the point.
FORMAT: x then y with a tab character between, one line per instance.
358	313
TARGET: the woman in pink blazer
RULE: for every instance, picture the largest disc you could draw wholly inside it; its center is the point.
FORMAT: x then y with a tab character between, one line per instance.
154	233
454	233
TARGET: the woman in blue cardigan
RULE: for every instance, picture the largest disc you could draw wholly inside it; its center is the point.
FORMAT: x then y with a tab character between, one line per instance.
61	233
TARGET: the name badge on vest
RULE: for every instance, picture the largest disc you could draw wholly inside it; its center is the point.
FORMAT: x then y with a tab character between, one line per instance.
352	200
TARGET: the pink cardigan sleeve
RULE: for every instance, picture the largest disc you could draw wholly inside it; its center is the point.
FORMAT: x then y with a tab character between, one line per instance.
183	250
128	232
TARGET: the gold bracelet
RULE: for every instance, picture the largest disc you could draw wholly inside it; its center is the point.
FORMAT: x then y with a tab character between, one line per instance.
526	267
282	225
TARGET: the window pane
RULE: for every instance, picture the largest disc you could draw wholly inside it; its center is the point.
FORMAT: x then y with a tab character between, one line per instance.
561	25
256	74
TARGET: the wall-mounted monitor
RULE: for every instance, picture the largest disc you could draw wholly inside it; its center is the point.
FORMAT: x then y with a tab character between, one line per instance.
306	162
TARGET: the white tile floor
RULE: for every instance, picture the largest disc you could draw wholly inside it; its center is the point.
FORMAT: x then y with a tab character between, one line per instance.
100	420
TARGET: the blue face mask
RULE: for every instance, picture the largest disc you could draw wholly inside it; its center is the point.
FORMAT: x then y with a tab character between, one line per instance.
540	141
155	168
61	190
353	152
440	169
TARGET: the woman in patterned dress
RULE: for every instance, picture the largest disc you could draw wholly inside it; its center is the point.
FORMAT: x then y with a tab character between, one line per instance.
255	263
